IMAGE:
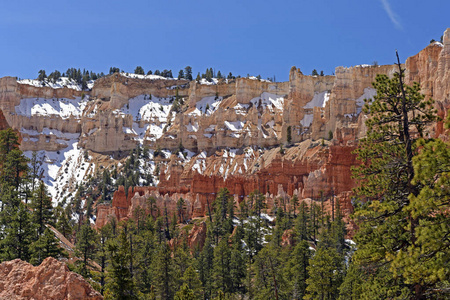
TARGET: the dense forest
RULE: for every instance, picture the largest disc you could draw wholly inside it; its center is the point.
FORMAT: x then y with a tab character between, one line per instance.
296	250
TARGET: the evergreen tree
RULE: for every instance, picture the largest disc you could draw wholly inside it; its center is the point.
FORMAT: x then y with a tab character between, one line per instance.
47	245
85	248
325	273
185	293
62	222
18	234
42	75
42	208
289	134
206	263
188	73
388	229
314	73
192	281
181	74
139	70
269	281
296	269
222	267
120	284
164	272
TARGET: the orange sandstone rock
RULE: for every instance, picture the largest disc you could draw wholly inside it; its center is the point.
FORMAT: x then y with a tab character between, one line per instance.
51	280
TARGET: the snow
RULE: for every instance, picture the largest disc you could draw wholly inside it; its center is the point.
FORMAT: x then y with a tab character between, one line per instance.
369	93
62	82
48	131
149	110
212	102
269	100
62	168
234	126
138	76
206	82
319	100
267	217
192	128
241	108
270	123
307	120
63	107
438	44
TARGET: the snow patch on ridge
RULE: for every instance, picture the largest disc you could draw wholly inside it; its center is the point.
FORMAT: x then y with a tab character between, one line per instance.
63	107
207	106
62	82
269	101
62	169
319	100
150	109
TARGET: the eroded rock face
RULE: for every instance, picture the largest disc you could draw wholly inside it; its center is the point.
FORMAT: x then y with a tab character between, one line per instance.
51	280
231	130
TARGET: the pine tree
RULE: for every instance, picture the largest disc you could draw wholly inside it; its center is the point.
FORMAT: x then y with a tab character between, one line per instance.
296	269
42	208
206	263
388	229
139	70
289	134
18	234
85	248
62	222
192	281
42	75
47	245
164	272
222	267
325	274
188	73
180	74
185	293
120	284
269	280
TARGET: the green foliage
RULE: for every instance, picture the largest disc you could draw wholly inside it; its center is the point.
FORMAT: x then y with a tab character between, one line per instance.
42	208
46	246
289	134
391	220
85	248
139	70
296	272
120	284
164	273
188	73
325	273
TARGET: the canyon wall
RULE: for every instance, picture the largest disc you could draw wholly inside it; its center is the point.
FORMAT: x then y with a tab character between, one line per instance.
223	133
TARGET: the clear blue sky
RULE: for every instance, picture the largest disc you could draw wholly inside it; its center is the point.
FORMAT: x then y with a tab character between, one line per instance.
241	36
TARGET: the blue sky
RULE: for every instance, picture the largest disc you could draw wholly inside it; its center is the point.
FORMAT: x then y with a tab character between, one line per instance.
242	36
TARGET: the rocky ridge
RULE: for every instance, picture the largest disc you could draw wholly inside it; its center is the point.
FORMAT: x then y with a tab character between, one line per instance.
229	131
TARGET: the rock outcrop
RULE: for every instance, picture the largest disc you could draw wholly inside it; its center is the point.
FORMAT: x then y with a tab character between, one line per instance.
51	280
209	135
